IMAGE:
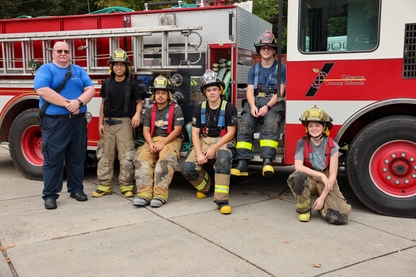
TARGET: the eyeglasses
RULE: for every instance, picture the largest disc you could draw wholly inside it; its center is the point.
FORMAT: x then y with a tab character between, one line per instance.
59	51
119	65
266	48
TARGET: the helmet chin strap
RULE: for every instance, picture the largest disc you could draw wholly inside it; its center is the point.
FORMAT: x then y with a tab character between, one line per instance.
317	138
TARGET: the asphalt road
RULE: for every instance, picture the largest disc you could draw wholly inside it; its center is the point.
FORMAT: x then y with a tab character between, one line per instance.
189	237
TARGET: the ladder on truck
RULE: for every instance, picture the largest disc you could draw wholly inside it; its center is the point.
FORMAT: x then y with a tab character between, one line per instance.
18	49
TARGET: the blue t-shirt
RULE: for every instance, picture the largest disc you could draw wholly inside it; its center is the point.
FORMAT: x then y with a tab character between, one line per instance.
266	75
50	75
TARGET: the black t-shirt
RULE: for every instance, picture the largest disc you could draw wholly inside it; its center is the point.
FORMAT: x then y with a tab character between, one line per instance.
212	117
162	119
114	107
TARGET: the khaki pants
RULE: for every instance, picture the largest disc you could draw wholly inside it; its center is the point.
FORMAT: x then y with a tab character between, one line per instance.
117	139
154	171
222	177
314	186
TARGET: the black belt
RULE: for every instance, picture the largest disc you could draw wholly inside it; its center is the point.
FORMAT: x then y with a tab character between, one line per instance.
113	122
69	116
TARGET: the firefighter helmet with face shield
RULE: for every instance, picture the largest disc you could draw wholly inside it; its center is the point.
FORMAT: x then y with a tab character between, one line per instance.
162	83
119	56
210	78
266	39
316	114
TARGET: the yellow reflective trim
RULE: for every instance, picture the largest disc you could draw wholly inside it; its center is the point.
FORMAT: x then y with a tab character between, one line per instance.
203	183
269	143
126	188
104	188
145	195
303	205
164	197
222	189
204	104
244	144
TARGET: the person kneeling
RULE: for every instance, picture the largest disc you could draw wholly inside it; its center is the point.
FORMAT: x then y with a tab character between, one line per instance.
316	165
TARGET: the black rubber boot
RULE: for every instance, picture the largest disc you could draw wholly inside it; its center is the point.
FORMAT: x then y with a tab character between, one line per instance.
241	169
268	169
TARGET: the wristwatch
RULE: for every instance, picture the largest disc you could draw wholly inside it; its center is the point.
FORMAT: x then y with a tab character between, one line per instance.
268	107
80	103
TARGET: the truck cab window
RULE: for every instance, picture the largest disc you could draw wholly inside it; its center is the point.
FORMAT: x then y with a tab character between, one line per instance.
339	26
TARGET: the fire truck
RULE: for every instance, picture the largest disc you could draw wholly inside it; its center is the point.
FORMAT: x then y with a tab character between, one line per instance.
354	59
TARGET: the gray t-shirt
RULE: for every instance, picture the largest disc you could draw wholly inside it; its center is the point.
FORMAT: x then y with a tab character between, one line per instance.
162	119
317	157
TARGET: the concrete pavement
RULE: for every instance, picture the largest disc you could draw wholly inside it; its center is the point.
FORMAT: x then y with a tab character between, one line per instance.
189	237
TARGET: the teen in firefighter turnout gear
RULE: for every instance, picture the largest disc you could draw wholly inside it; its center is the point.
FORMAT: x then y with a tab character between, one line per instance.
158	157
316	165
213	129
264	105
120	111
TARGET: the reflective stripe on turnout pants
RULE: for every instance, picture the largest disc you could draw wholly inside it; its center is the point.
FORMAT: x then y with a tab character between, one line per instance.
222	181
117	139
269	133
334	200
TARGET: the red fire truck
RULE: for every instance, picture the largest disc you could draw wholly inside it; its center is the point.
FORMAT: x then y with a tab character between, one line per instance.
355	59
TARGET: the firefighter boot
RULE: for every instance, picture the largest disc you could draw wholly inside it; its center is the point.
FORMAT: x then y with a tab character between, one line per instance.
268	169
305	217
102	190
241	169
201	195
224	207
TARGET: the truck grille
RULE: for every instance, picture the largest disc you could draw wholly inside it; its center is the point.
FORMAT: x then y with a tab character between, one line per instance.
409	55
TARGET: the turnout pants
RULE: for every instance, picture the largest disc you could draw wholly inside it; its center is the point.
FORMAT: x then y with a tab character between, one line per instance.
117	140
200	179
335	208
154	171
269	132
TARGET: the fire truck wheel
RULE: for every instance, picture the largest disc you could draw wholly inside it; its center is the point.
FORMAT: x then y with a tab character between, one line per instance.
25	143
381	166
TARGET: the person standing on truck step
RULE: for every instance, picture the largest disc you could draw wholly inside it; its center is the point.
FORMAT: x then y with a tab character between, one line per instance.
316	165
214	125
120	110
264	105
63	123
158	157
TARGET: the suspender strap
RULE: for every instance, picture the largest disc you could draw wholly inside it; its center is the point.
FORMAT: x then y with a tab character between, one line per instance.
221	120
127	96
107	93
171	116
170	119
46	104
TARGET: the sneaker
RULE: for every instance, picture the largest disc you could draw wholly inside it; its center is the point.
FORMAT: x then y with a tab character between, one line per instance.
99	193
224	208
128	194
305	217
156	203
140	202
201	195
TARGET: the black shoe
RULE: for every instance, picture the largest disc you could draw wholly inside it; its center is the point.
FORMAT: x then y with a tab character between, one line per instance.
79	196
50	203
268	169
241	169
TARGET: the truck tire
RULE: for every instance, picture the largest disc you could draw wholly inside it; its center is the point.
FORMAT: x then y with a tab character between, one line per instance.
25	143
381	166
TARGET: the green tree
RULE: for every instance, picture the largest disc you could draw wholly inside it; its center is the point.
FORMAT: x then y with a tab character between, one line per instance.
269	11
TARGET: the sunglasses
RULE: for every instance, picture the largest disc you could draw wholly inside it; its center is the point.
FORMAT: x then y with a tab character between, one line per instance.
60	51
